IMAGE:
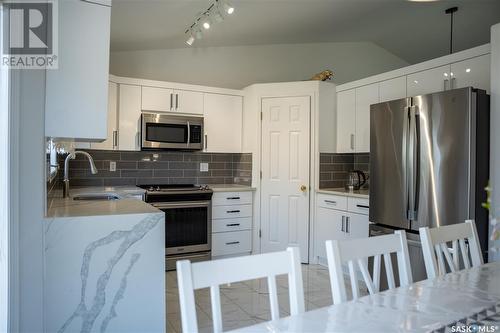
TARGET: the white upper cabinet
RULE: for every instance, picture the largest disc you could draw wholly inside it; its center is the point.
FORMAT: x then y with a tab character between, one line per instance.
223	123
392	89
171	100
129	117
77	92
112	137
186	101
473	72
346	121
428	81
365	96
157	99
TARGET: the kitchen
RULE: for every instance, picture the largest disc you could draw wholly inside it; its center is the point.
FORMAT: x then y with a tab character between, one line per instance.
166	146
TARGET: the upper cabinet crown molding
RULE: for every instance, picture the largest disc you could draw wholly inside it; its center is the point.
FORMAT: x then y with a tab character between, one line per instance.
174	85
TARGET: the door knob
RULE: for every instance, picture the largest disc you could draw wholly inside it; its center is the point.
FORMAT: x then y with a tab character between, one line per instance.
303	188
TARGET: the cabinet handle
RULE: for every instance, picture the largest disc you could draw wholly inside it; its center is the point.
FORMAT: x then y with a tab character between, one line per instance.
444	84
233	211
232	243
331	202
343	221
363	206
233	198
352	141
115	138
232	225
171	101
176	101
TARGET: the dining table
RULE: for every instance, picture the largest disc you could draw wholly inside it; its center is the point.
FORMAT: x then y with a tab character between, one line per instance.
463	301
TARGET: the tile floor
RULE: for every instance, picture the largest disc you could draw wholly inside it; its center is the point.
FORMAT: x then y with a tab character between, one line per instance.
247	303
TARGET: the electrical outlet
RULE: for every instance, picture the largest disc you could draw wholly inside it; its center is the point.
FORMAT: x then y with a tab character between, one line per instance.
112	166
204	167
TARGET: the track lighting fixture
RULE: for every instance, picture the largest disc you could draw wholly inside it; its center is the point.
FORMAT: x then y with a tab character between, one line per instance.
214	14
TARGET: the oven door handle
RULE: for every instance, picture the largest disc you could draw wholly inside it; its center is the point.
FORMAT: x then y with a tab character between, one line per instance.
183	204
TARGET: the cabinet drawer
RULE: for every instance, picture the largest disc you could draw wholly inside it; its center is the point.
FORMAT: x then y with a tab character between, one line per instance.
231	198
229	212
232	224
358	205
332	201
226	243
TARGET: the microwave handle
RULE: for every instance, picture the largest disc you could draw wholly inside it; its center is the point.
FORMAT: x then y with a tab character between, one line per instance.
189	134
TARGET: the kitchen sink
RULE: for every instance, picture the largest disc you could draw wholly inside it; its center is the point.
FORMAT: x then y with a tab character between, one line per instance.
97	196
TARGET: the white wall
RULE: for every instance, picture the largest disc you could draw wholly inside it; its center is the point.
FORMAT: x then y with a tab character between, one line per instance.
495	130
240	66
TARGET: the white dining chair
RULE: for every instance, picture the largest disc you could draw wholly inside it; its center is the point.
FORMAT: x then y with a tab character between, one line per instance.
211	274
435	248
355	254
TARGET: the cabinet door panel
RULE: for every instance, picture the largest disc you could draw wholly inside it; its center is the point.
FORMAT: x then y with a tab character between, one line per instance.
223	123
428	81
77	92
129	117
392	89
328	227
188	101
357	225
473	72
157	99
109	143
346	121
365	96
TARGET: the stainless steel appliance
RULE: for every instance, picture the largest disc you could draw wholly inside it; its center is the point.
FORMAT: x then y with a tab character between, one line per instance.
429	162
188	220
163	131
356	179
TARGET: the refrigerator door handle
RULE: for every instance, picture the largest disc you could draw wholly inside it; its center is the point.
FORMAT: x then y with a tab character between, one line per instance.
413	162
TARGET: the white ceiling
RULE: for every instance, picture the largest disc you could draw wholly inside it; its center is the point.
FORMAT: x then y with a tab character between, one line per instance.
414	31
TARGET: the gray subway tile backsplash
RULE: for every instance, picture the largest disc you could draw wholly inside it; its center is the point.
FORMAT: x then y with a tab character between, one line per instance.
135	168
334	168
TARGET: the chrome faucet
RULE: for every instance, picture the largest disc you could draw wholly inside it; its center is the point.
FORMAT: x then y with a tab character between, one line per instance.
72	156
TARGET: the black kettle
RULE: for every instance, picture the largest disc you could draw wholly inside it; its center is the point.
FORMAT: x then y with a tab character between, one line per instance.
355	180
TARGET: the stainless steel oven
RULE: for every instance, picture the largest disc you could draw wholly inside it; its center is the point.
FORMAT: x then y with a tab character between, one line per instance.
163	131
188	221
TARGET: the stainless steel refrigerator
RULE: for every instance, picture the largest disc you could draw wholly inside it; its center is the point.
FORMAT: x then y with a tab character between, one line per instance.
429	165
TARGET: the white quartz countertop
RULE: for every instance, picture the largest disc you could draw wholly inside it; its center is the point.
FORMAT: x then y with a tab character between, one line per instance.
341	191
230	188
67	207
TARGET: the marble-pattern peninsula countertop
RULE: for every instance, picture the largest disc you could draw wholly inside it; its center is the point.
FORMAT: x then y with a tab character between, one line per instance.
67	207
230	188
363	193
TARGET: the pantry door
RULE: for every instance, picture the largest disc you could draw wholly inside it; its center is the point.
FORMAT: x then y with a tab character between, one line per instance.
285	168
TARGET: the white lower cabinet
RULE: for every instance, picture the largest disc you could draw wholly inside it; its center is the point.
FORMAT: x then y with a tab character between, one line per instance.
231	224
339	222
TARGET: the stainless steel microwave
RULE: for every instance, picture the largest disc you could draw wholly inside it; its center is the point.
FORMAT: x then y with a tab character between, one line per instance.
163	131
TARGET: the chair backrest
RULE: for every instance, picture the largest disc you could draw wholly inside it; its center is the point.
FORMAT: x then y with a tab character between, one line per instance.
436	251
224	271
356	252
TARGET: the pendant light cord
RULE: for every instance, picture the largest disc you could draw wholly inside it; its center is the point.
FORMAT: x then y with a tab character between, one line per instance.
451	11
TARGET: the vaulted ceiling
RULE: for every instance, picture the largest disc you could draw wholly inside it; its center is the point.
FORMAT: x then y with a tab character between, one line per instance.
413	31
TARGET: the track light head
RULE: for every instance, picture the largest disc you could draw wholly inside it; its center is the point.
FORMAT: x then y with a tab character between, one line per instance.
229	9
190	39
